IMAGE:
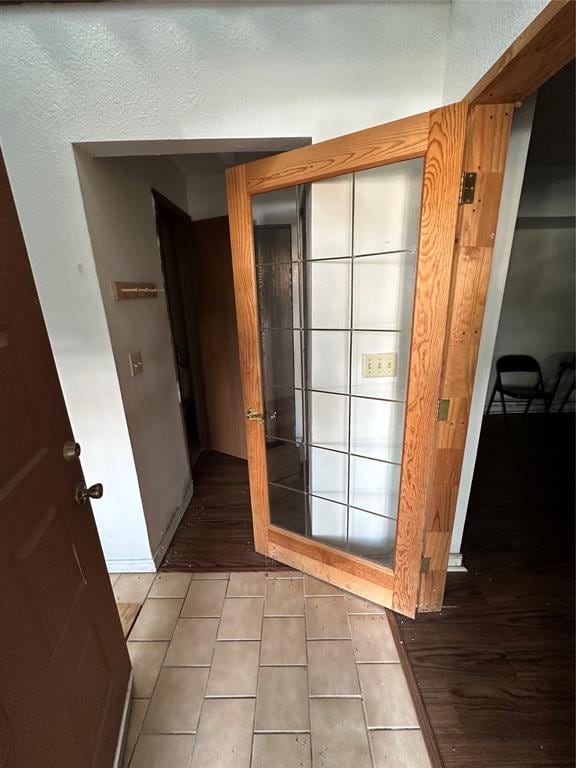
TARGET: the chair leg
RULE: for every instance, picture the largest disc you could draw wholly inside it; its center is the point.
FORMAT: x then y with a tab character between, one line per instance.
504	408
493	395
528	406
566	397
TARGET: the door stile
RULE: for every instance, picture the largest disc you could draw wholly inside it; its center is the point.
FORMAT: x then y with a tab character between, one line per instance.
487	135
440	192
246	295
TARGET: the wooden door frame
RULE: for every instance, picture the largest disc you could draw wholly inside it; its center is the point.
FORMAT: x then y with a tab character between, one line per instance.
545	46
438	136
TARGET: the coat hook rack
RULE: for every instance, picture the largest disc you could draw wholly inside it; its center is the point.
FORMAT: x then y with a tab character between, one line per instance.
134	290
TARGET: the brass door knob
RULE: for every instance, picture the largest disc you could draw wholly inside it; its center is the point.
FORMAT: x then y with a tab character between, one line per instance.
253	415
71	450
95	491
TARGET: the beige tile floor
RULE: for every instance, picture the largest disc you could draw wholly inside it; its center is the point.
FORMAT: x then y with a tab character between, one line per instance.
263	670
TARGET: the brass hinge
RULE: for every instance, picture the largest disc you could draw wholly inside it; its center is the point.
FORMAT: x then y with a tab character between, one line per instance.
442	410
467	187
425	564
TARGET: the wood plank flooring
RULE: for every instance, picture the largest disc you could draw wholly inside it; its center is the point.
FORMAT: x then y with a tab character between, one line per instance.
496	667
216	531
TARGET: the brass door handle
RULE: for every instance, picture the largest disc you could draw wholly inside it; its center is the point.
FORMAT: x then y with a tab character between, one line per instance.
95	491
253	415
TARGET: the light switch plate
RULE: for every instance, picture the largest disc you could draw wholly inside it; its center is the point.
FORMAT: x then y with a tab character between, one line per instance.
136	364
379	365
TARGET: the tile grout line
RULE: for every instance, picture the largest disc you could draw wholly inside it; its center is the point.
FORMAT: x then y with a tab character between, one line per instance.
362	702
161	665
258	675
277	731
307	670
335	696
157	676
205	697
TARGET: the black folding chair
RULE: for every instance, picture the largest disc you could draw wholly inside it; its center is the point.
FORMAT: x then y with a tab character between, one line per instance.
519	364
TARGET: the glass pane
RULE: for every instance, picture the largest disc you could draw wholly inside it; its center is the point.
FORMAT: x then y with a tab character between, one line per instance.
328	474
273	243
288	509
376	376
328	521
336	271
387	207
284	415
286	464
278	295
281	359
377	429
328	294
372	536
275	217
329	218
328	361
384	292
328	420
374	486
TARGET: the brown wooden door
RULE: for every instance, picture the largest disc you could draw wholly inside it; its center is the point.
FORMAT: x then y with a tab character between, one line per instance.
176	252
64	666
341	493
213	297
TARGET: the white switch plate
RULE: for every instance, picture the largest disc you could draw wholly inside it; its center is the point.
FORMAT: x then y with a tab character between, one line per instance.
379	365
136	364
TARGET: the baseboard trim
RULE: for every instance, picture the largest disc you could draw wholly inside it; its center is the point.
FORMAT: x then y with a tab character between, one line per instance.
138	565
162	548
122	733
455	563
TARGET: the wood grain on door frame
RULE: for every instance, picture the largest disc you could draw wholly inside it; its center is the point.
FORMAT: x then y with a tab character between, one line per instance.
544	47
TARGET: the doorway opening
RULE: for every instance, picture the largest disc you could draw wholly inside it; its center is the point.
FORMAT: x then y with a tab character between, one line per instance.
507	627
162	221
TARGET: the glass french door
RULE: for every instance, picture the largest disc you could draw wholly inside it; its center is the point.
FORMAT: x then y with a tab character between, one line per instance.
342	255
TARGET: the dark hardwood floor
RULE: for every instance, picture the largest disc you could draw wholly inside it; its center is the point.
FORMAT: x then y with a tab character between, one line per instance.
496	667
216	531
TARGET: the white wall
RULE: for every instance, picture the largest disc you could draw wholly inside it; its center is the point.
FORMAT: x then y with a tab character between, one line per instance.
95	72
480	32
538	308
162	72
121	221
206	195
